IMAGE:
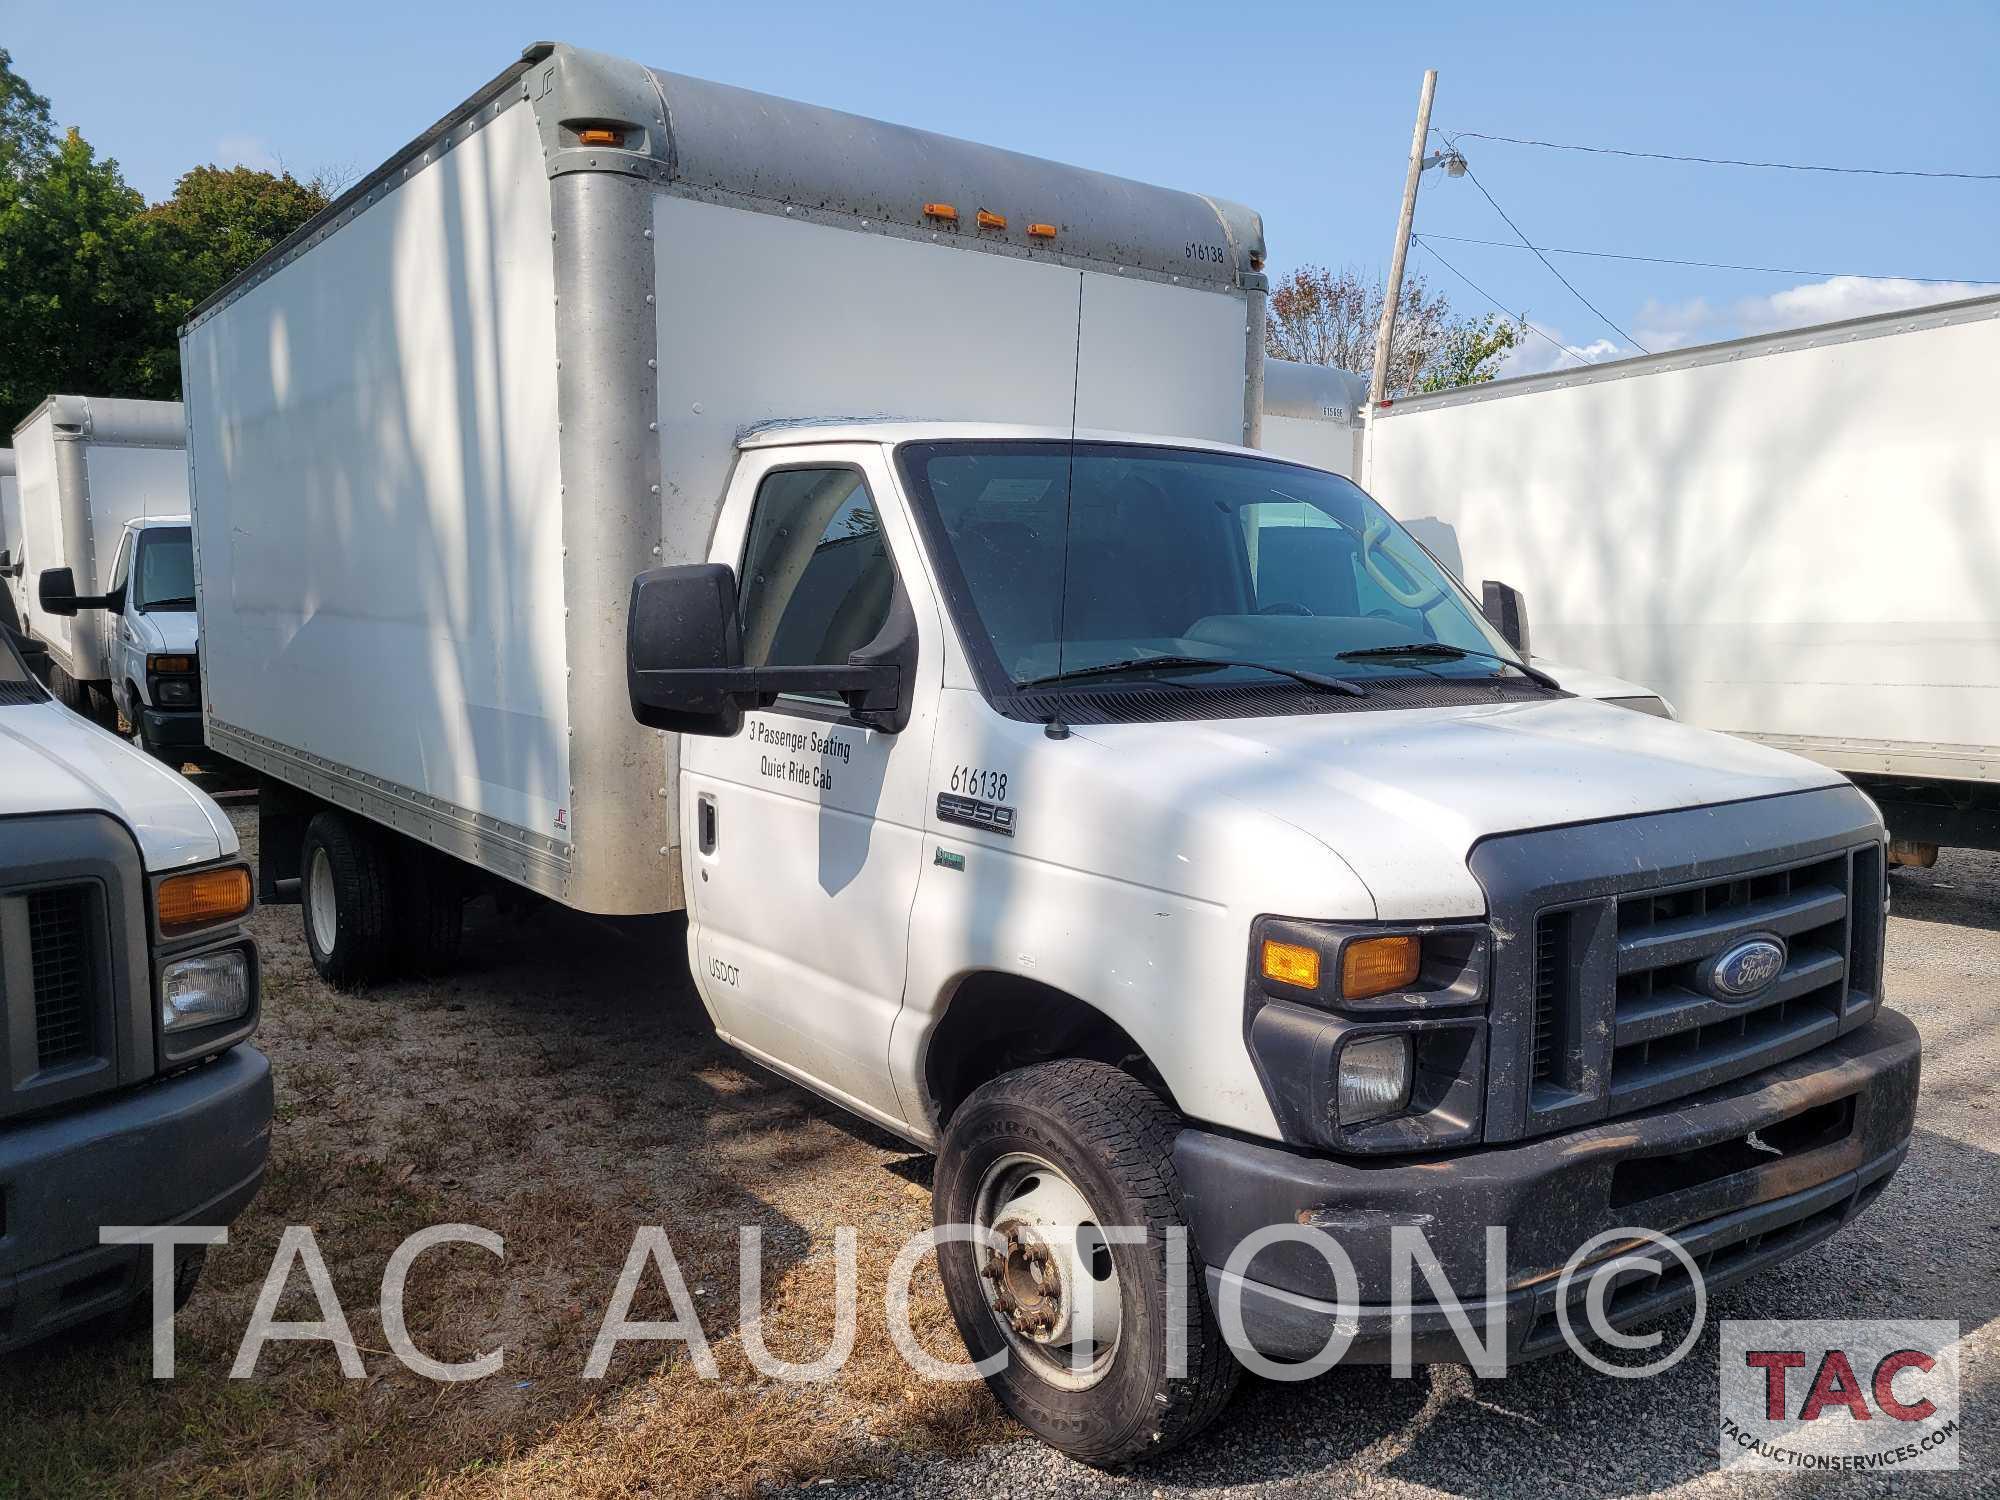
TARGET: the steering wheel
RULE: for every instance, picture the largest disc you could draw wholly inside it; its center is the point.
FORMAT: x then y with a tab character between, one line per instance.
1421	597
1284	607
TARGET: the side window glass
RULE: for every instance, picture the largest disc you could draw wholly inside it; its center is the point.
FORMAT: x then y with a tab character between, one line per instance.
817	578
122	569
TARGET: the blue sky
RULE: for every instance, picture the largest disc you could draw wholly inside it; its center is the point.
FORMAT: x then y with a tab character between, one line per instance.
1303	111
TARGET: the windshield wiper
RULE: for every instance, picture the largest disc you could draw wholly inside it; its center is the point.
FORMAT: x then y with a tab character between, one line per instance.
1149	663
1440	648
152	604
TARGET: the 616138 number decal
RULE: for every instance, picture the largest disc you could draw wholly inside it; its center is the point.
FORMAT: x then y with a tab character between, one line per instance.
974	781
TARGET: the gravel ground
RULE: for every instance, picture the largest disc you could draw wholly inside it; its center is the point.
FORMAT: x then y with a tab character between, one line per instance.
1929	1248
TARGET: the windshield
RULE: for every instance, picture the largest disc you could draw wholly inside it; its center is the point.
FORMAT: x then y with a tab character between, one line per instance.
1175	552
164	577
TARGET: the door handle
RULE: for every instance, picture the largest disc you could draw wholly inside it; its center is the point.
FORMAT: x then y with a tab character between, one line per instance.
704	819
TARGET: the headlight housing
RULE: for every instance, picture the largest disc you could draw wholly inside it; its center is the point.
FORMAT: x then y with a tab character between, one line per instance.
206	989
1370	1037
176	692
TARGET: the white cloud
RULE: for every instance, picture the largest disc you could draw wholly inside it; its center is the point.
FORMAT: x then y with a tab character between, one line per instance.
1535	355
242	150
1699	321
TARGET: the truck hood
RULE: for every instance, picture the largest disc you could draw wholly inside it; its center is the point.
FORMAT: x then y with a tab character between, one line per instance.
51	760
1403	796
168	630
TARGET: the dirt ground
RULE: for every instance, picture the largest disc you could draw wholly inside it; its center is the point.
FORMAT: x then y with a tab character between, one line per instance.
562	1087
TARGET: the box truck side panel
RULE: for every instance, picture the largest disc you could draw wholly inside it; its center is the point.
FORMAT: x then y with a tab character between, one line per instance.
378	511
42	532
786	321
1792	538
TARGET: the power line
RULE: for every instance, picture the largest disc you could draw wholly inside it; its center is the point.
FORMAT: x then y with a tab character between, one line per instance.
1715	265
1494	303
1473	178
1730	161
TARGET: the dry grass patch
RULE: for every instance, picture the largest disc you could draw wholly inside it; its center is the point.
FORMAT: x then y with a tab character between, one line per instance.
561	1089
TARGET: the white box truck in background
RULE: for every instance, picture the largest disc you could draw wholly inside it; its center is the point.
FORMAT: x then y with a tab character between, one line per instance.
661	495
1315	414
1793	537
86	465
10	545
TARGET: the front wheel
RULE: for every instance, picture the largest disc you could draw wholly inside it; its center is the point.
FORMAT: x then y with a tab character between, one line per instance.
1042	1163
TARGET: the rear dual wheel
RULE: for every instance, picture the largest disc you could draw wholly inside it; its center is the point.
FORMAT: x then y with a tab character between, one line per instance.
374	904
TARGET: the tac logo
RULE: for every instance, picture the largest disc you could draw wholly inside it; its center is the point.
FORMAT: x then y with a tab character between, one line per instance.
1847	1395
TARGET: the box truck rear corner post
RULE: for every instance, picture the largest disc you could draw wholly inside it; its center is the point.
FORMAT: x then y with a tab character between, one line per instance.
657	495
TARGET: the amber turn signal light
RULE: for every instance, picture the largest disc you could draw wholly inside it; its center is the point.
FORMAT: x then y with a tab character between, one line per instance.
1291	963
1042	231
946	212
598	135
202	898
1375	966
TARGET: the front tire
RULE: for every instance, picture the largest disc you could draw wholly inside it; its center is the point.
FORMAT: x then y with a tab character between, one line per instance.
1026	1154
344	901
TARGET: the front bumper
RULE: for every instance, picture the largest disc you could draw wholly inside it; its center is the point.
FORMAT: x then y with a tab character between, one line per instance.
190	1149
1842	1114
174	728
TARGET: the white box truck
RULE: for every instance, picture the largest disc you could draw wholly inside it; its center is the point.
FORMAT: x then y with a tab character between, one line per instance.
1315	414
1791	536
86	465
10	545
660	495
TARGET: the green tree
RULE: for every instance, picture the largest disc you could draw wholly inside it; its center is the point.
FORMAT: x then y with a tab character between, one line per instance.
1470	353
1319	316
216	225
27	133
75	280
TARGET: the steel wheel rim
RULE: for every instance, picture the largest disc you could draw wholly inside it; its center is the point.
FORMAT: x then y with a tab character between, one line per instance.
1053	1291
322	909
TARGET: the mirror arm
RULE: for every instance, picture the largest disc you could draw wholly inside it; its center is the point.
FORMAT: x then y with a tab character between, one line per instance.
662	686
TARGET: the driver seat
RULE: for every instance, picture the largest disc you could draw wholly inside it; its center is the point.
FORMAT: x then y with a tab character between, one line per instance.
1309	565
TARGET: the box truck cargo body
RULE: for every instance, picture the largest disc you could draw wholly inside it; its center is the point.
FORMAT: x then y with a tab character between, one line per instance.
437	433
85	466
10	544
656	494
1791	536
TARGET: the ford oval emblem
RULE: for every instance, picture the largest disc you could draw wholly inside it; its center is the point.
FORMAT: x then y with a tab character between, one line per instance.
1747	969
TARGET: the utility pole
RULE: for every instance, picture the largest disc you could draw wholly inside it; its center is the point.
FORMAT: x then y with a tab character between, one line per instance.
1378	382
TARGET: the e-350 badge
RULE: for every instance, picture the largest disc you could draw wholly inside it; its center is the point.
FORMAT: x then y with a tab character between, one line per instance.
972	813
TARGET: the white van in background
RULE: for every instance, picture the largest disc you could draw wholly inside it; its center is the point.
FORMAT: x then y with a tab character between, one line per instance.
86	465
149	633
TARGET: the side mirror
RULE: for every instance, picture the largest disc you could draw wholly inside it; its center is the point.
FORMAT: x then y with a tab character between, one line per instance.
6	562
58	592
684	659
1507	612
683	644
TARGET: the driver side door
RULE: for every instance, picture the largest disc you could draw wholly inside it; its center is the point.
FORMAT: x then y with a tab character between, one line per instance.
806	826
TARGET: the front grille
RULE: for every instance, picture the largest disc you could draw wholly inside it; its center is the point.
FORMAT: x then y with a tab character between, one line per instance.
1552	966
1669	1034
60	956
1668	1028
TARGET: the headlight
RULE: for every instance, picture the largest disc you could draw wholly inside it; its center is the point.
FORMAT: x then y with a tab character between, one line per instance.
175	692
205	989
1374	1077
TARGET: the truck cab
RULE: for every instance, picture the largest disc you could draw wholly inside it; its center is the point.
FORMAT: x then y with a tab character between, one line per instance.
129	1092
150	635
1041	779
